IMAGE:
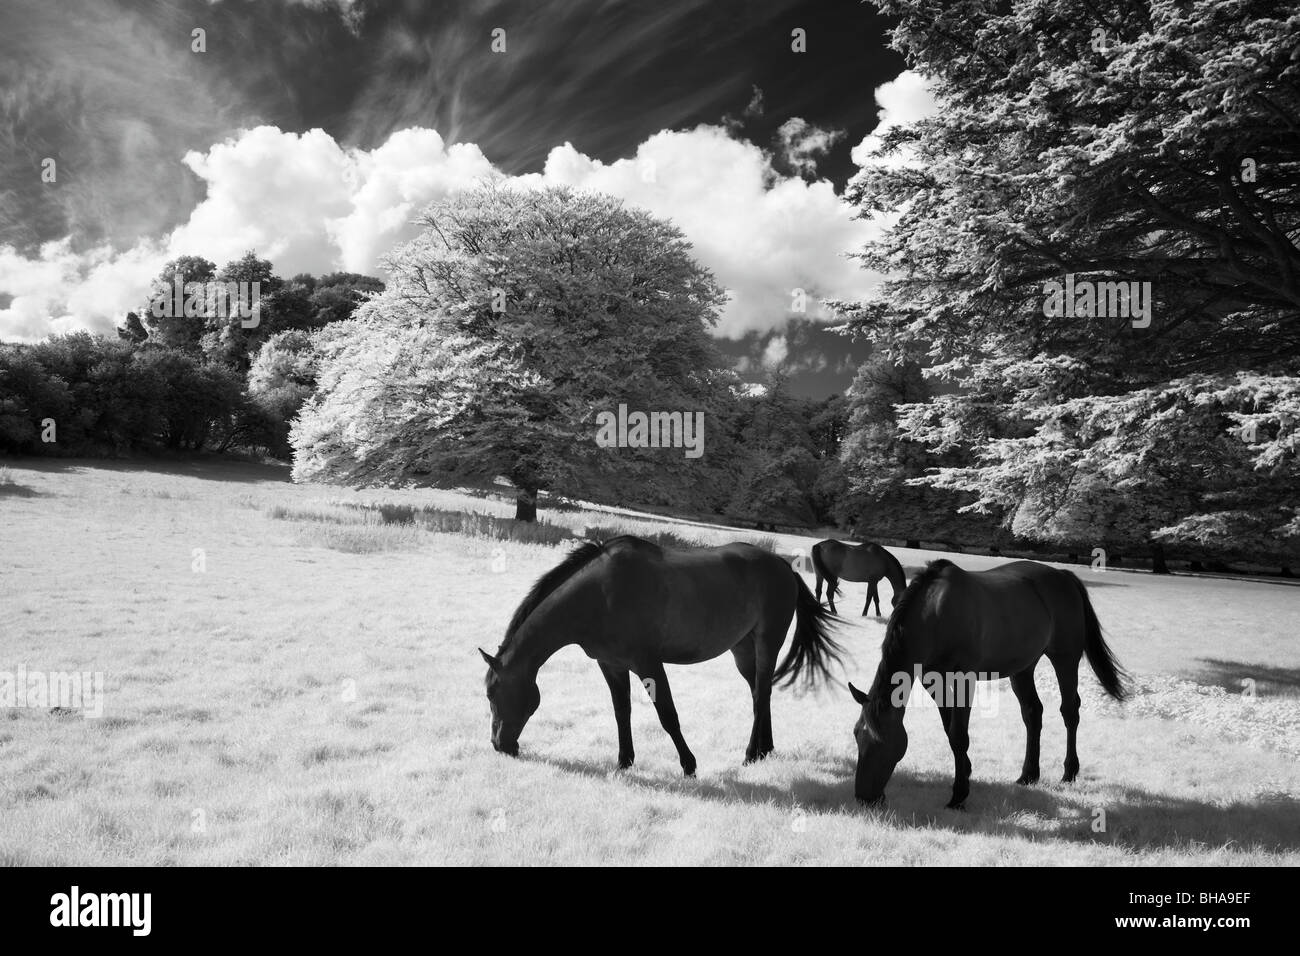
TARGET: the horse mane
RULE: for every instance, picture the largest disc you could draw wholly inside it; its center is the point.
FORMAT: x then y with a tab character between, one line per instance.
546	585
878	696
549	583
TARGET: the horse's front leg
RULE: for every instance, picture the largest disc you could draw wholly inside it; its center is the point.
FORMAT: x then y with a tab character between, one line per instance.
957	723
663	701
620	691
873	593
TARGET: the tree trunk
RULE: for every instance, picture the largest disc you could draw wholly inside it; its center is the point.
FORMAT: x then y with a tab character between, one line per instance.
1158	565
526	504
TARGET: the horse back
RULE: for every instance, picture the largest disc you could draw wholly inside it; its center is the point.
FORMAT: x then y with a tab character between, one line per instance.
686	606
1003	619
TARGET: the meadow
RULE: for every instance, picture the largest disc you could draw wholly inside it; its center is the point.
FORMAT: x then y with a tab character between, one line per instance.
290	677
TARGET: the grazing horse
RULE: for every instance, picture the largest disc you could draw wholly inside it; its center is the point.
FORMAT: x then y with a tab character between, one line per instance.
957	627
634	607
868	562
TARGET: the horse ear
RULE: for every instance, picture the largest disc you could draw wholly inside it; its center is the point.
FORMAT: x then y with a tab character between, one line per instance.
860	697
492	662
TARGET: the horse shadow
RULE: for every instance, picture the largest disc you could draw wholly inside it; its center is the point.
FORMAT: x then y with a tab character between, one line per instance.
1131	818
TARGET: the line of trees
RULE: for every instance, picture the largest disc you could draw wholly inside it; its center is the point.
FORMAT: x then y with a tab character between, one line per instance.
213	381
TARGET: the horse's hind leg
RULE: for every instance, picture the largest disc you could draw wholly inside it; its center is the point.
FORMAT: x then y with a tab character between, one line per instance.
1031	711
760	737
767	646
663	701
620	691
1067	676
832	584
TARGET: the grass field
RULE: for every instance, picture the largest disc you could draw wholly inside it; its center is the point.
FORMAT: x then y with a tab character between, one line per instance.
287	680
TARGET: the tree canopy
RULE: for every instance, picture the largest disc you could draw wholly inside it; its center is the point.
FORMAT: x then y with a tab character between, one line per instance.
510	321
1134	142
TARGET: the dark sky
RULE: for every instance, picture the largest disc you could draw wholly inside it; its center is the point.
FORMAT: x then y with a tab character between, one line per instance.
110	88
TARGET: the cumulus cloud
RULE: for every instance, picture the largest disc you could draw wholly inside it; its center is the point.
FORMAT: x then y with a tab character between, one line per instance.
60	290
311	205
763	235
802	144
907	98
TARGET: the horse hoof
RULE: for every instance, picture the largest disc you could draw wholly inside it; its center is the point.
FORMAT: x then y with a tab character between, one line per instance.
956	804
1025	780
624	764
1069	778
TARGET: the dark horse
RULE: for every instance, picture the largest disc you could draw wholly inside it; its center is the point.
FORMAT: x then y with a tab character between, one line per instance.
635	607
956	627
868	562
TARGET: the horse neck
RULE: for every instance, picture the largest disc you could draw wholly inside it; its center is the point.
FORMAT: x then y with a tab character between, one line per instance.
898	656
894	572
534	644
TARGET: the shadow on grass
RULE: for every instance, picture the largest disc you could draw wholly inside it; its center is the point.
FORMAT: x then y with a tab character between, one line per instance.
11	490
1135	819
212	468
1282	681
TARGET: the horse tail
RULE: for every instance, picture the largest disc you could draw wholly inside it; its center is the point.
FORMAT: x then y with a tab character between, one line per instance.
832	582
1114	679
813	649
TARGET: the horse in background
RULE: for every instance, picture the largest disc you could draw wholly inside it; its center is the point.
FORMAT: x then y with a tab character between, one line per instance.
634	607
953	628
835	561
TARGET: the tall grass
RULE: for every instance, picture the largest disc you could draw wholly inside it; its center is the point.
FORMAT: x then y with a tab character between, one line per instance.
371	518
470	523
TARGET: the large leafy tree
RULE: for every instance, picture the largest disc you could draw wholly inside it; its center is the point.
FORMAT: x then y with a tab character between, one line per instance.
1130	141
510	322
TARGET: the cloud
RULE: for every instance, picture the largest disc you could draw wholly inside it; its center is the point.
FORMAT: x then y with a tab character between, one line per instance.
311	205
776	352
906	99
763	235
61	290
801	144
